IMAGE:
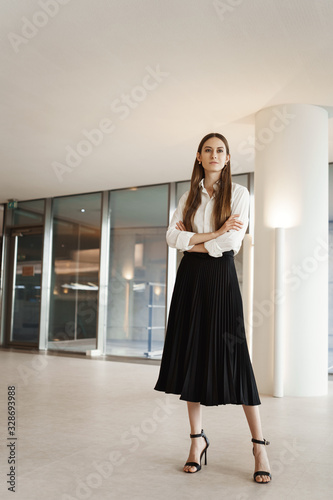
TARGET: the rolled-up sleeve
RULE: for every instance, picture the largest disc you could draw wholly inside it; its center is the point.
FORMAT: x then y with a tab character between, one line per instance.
232	240
174	237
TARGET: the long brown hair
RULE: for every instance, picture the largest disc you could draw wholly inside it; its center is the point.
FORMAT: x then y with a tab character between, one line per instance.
222	205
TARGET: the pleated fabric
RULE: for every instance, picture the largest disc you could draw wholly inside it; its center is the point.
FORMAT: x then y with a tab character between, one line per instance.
205	357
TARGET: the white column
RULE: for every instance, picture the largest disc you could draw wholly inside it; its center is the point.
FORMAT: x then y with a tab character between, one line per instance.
291	191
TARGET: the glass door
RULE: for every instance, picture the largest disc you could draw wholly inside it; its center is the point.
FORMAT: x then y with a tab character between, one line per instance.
26	246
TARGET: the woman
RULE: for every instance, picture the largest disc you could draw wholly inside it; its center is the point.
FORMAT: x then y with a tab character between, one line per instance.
205	357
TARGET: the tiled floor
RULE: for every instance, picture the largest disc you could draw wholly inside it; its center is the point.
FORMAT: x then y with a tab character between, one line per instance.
92	429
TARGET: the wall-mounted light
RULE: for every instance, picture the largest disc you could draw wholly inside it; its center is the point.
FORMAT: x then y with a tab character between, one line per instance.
128	273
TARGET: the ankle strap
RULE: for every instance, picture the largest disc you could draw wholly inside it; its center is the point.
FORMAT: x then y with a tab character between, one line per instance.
197	435
260	442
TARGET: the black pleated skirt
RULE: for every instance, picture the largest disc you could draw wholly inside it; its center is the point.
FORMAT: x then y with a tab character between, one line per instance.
205	357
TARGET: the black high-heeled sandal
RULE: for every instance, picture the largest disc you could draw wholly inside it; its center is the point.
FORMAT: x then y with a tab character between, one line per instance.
261	472
204	451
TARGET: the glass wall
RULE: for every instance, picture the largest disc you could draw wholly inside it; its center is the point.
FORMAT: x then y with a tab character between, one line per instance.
26	213
27	265
1	220
1	239
75	272
137	280
24	230
1	271
330	276
136	308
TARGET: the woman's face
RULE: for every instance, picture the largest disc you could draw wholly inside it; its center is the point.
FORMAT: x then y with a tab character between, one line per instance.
213	155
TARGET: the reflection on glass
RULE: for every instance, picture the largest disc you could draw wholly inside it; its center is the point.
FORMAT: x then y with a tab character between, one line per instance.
182	187
136	312
75	272
27	281
1	219
1	243
330	275
27	213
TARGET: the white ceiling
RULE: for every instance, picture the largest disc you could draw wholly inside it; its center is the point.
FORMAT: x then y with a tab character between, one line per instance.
219	67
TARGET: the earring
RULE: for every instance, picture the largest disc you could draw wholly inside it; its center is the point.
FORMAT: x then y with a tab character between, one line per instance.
199	162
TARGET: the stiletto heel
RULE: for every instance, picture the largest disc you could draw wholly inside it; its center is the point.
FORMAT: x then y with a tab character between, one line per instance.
261	472
204	451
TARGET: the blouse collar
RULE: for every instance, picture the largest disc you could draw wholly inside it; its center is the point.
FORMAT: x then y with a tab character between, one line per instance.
201	184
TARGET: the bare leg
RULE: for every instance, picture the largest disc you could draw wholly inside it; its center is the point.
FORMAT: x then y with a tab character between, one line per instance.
197	444
261	460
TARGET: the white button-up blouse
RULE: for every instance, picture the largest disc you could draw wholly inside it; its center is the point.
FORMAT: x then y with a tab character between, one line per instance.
231	240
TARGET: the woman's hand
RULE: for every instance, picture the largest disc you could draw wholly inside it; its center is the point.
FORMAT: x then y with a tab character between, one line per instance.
230	223
180	226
